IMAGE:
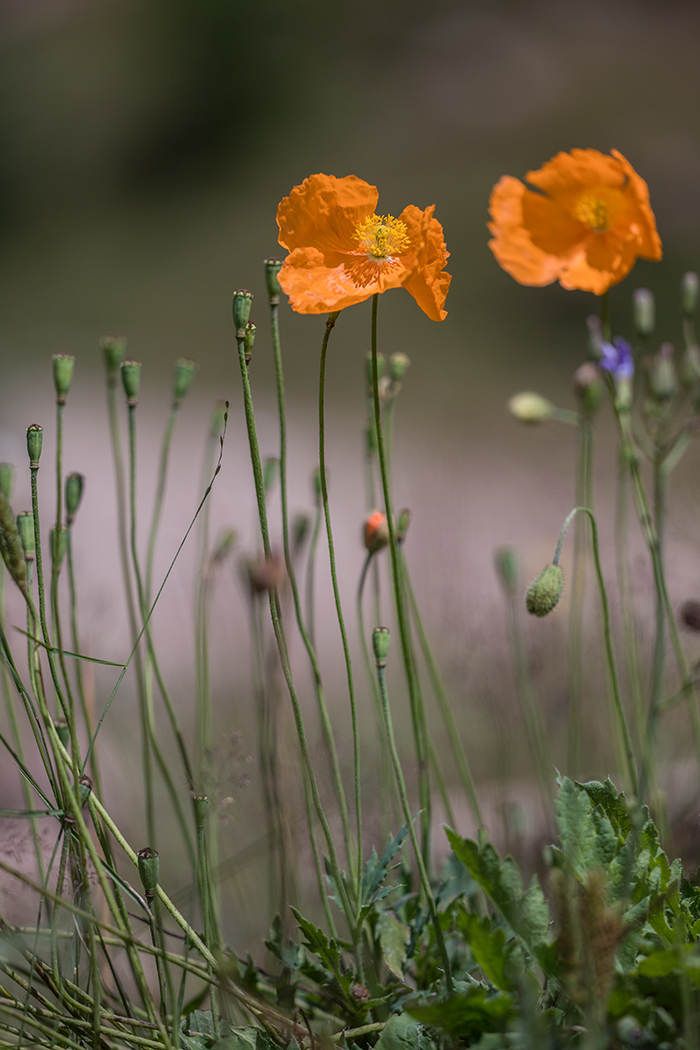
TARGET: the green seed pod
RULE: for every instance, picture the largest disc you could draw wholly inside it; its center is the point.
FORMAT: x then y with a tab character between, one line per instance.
7	480
131	380
59	543
690	286
25	530
663	382
644	311
249	339
63	731
508	568
242	302
381	365
10	545
530	408
84	788
544	592
218	419
63	365
35	439
73	495
402	523
272	268
588	388
201	808
269	473
149	869
301	526
185	371
113	349
398	366
381	637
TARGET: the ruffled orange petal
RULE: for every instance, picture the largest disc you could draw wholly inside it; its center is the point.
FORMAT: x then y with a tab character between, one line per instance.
314	287
428	284
550	226
567	175
512	244
637	189
324	212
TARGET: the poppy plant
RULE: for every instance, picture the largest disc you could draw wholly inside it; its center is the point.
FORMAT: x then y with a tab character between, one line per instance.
342	252
583	220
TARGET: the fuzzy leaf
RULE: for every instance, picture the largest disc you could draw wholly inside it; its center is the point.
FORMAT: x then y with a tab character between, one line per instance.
394	938
400	1033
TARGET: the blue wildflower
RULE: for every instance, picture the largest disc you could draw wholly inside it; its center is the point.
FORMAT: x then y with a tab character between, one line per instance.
617	358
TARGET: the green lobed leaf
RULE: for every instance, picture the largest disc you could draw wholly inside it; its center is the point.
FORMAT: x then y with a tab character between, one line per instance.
401	1032
394	938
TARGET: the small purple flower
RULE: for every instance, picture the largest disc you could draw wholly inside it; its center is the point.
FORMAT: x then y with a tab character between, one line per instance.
617	358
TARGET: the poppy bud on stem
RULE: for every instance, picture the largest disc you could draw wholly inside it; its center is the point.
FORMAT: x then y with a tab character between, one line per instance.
35	439
113	349
131	381
149	870
381	638
73	495
644	311
272	268
185	371
63	365
242	302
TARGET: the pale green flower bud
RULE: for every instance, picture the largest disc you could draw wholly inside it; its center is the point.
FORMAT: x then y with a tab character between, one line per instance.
644	311
272	268
242	302
185	371
381	637
544	592
73	495
663	382
530	408
131	381
398	366
690	286
113	349
35	440
149	870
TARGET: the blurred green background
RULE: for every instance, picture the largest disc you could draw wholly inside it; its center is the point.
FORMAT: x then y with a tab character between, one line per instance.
144	146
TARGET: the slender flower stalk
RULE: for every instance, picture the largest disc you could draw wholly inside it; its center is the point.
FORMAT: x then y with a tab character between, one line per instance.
417	713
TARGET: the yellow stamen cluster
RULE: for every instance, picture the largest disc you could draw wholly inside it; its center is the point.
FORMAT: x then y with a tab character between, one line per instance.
382	236
592	211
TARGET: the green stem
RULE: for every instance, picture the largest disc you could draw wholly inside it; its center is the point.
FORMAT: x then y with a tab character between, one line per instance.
657	678
629	625
160	492
609	649
338	605
578	591
401	784
417	713
75	639
310	566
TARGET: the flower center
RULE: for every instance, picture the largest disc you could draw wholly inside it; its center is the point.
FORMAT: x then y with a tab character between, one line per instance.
382	236
592	211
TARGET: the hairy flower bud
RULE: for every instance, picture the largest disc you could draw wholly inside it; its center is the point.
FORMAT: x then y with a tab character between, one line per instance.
63	365
375	531
381	637
690	286
185	371
544	592
35	440
131	380
272	268
7	479
113	350
530	408
25	531
73	495
644	311
242	302
398	366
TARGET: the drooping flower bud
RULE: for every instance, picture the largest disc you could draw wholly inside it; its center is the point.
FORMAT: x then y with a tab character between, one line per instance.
248	340
113	349
149	870
242	302
185	371
381	365
508	568
301	526
63	365
399	364
644	311
25	531
375	531
402	523
588	388
10	546
59	543
7	480
690	287
662	377
272	268
131	381
61	727
35	440
544	592
689	615
530	408
73	495
381	638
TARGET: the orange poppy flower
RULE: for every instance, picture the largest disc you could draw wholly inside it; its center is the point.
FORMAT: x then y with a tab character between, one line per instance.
342	252
583	224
